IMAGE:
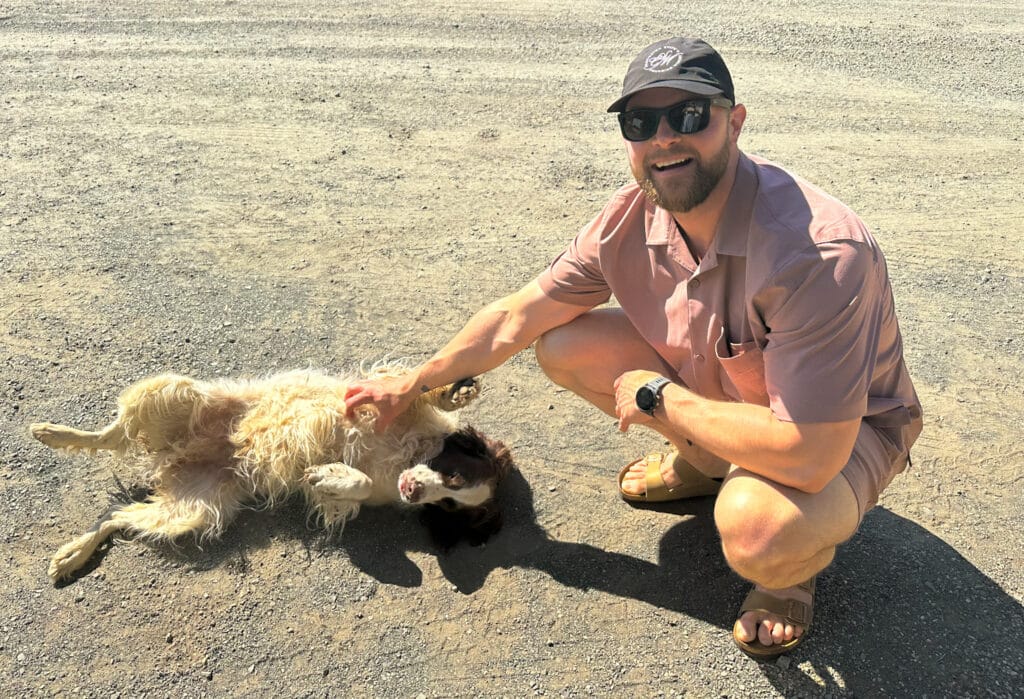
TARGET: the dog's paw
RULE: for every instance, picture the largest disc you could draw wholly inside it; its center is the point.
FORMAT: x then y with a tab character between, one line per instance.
54	436
460	394
68	559
337	482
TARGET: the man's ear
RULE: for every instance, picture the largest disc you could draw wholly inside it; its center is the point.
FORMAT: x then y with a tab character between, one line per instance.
737	117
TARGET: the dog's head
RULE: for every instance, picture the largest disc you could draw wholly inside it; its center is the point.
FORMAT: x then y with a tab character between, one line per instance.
457	488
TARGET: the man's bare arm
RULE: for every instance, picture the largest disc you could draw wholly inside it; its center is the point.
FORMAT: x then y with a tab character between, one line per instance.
805	456
493	335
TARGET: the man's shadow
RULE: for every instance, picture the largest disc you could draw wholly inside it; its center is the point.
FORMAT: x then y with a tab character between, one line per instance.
899	612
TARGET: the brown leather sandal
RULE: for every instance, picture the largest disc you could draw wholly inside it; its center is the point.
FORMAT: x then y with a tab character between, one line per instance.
792	611
694	483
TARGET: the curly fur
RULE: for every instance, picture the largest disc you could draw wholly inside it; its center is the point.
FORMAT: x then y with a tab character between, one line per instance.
207	449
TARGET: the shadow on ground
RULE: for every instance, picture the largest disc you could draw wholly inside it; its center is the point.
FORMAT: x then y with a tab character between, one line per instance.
899	612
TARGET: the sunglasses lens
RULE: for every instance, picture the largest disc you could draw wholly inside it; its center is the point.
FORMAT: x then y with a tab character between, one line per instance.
690	117
639	124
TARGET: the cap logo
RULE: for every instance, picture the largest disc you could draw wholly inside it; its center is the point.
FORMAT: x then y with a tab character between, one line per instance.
663	59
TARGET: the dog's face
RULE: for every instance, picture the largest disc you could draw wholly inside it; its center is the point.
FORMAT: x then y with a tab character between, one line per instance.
458	487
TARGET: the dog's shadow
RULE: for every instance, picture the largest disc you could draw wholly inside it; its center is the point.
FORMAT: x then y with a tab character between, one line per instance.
899	612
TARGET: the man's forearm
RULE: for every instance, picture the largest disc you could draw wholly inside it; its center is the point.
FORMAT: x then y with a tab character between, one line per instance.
803	456
492	336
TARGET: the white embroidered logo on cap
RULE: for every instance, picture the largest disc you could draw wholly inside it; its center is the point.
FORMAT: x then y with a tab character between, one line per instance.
662	59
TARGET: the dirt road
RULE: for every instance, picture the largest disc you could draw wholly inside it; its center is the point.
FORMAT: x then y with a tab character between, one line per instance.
232	188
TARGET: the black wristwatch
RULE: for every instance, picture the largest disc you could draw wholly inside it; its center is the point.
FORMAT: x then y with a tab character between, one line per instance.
648	396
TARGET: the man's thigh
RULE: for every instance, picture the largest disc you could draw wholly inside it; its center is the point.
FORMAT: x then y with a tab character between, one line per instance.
598	347
813	521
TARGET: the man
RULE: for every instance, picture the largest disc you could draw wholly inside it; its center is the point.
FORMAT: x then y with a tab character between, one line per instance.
756	332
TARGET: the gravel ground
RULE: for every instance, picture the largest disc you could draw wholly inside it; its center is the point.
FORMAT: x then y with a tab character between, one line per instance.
232	188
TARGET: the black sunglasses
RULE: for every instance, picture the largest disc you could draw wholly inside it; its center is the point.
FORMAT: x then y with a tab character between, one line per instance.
688	116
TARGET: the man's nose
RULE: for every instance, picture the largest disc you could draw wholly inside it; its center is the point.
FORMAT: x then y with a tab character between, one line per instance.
665	133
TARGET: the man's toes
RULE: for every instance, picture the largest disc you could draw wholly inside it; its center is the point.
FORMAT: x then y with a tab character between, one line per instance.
634	482
745	628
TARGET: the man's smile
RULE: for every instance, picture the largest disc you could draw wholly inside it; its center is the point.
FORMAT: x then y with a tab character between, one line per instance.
671	164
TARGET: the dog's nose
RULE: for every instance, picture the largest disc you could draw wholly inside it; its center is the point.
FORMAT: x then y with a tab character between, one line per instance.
410	489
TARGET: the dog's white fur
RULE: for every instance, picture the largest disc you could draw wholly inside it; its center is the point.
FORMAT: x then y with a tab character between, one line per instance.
207	449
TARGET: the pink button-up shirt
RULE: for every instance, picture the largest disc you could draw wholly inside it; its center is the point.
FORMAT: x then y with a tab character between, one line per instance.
790	308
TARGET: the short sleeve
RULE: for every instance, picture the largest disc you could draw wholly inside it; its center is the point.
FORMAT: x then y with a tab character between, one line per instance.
575	276
824	317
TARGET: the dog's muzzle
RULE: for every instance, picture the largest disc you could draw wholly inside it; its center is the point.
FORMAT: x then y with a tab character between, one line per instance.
409	488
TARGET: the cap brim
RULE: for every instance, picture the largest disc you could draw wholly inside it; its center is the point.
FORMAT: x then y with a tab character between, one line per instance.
697	88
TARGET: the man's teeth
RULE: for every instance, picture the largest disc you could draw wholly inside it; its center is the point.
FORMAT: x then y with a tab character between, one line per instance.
673	163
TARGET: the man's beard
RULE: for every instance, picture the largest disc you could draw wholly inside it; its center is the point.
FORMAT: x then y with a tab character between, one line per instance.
706	177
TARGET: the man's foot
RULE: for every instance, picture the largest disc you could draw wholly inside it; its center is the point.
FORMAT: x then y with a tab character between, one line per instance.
663	477
773	622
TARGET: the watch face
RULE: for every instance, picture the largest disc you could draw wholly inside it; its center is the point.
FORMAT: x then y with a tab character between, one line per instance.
646	399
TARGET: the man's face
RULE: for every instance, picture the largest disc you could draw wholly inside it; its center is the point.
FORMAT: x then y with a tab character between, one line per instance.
679	171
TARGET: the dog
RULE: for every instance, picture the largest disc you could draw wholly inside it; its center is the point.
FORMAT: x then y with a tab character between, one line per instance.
208	449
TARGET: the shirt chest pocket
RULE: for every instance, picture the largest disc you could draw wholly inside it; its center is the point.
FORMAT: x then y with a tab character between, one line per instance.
742	371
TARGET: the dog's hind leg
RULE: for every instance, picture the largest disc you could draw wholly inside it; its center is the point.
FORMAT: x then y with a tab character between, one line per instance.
156	519
158	411
73	555
336	491
64	437
454	396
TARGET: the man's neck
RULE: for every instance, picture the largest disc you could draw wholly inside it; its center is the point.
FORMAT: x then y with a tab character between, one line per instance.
701	222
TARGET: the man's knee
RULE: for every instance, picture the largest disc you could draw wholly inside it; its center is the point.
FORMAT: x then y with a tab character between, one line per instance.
760	534
559	351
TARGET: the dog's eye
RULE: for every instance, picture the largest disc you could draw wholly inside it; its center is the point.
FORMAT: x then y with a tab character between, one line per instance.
455	482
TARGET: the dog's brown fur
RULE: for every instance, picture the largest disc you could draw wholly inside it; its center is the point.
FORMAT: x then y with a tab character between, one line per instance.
207	449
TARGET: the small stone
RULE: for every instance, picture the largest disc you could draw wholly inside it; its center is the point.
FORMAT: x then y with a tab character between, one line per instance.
170	638
783	662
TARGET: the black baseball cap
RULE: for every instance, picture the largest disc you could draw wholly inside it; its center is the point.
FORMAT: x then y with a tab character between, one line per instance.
684	63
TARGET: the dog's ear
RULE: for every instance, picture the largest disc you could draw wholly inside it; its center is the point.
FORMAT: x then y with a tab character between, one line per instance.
473	524
501	455
485	522
472	441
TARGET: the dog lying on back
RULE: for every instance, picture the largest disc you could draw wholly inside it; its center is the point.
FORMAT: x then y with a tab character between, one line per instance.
208	449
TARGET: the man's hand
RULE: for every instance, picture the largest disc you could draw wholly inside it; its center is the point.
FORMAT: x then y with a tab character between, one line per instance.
390	396
626	387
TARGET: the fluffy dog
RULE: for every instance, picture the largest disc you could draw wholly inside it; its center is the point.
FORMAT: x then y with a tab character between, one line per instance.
207	449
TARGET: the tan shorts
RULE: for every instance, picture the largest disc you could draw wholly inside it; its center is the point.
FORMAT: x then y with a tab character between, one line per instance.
875	461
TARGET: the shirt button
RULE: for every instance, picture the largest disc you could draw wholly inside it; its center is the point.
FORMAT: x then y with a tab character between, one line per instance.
699	357
694	283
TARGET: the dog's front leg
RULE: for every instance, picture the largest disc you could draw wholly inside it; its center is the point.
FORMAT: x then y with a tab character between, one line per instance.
336	491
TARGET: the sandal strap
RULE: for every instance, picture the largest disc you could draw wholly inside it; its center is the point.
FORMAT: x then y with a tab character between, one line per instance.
654	480
689	476
792	610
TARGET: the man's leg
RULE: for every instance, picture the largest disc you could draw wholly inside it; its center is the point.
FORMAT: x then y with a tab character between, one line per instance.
778	537
588	354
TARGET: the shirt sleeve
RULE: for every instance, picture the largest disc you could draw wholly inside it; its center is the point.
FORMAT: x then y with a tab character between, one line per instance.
824	316
575	276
